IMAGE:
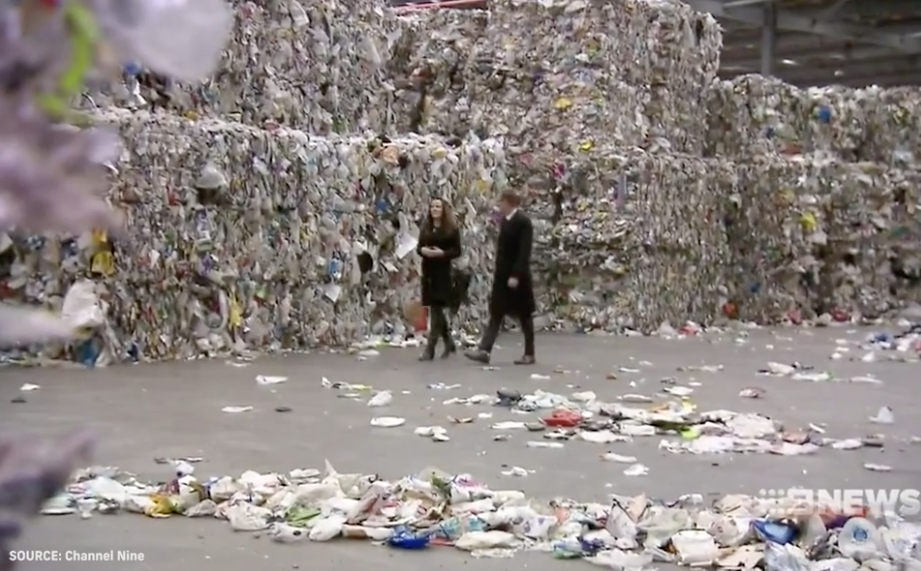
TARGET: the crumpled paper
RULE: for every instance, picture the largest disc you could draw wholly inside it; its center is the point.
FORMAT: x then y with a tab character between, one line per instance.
751	115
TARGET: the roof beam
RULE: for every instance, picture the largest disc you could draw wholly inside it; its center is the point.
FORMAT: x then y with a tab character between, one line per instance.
849	80
905	66
811	54
889	80
869	10
788	21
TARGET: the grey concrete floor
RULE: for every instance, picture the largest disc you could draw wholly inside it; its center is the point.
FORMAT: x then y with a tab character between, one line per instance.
174	409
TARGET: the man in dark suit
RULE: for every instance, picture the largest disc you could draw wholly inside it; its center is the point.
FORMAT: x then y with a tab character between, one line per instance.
512	288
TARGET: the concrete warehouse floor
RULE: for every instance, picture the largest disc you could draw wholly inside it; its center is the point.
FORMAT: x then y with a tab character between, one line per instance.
174	409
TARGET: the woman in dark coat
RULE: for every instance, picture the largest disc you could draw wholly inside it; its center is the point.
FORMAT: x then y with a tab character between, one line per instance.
439	244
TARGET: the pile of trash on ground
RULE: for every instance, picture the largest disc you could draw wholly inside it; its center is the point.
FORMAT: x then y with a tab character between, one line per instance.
433	508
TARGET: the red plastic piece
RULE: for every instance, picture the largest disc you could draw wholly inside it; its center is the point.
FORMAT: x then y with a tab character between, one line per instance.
563	419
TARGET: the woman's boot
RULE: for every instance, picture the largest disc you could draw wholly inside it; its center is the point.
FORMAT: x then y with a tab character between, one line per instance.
450	347
430	342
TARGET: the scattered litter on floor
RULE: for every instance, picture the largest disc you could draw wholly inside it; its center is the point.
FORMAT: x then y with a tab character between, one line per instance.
236	409
612	457
267	380
382	398
636	470
752	393
387	421
433	508
29	387
878	467
436	433
883	416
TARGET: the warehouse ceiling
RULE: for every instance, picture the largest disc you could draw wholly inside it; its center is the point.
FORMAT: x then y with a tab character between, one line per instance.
821	42
814	42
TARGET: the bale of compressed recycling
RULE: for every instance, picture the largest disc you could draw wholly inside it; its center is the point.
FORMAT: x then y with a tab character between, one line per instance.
316	66
429	67
753	114
560	114
894	126
579	73
240	238
633	237
641	42
542	77
820	236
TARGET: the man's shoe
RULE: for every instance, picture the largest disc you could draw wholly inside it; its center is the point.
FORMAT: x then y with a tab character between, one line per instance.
427	355
448	351
525	360
477	355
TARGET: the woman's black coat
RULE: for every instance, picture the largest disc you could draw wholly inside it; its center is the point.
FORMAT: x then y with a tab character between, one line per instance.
437	283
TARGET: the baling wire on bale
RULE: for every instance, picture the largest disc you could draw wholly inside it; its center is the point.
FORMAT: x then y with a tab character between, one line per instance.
54	167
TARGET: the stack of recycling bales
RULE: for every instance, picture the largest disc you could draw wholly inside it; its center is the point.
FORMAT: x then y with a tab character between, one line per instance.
272	207
586	96
562	75
275	206
592	99
826	222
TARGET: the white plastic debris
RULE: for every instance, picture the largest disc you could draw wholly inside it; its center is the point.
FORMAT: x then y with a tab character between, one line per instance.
236	409
387	421
695	547
268	380
883	416
382	398
328	528
475	540
636	470
877	467
283	533
612	457
247	517
436	433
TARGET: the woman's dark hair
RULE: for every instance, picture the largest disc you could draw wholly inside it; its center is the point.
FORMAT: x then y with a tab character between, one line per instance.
448	221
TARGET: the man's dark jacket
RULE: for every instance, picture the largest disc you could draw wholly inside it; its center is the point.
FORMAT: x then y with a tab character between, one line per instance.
513	260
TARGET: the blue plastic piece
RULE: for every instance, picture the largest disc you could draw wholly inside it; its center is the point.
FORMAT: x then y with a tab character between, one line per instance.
824	114
775	532
403	538
133	69
592	547
88	353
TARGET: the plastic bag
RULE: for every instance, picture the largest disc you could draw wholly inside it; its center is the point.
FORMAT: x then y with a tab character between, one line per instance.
327	529
475	540
247	517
